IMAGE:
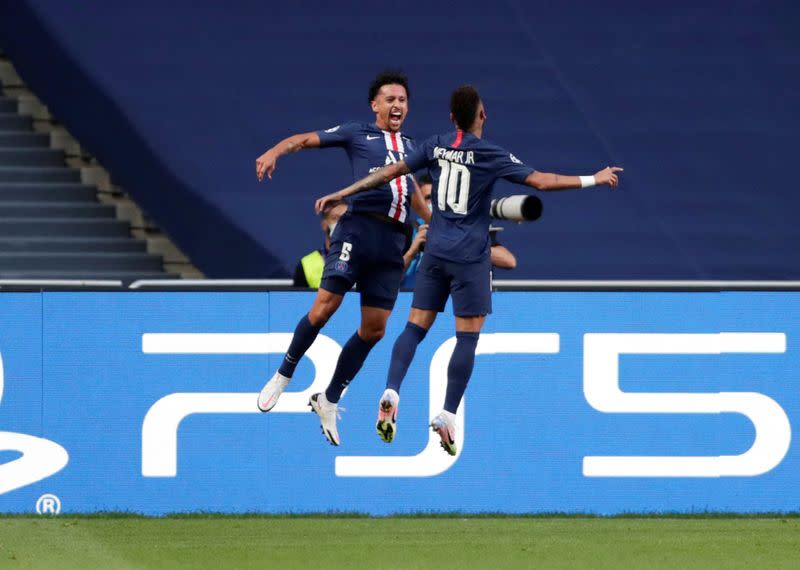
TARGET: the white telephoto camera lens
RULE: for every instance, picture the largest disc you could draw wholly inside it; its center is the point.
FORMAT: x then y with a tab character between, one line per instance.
518	208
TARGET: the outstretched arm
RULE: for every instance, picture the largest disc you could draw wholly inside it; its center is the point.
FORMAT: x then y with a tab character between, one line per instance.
546	181
377	178
265	164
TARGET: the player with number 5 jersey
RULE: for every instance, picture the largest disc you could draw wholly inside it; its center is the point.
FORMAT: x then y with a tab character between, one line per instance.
464	169
366	244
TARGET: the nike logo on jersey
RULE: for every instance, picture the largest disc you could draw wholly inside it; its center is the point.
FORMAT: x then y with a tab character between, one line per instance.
369	138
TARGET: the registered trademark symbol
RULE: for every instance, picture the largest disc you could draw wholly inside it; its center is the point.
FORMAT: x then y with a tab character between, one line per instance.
48	504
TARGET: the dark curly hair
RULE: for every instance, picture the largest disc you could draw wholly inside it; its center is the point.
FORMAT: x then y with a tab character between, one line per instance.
389	77
464	103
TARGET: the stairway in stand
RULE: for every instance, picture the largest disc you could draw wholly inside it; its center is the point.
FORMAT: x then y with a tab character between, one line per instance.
51	225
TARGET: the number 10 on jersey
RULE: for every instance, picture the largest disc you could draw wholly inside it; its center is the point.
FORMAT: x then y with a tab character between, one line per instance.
453	189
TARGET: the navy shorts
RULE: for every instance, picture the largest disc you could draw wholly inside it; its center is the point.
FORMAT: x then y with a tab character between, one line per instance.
470	285
366	252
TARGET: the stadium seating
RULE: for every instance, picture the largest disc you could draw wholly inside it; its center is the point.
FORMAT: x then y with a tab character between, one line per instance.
698	102
51	225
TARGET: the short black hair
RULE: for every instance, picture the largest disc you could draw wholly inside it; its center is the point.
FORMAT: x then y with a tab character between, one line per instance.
464	103
389	77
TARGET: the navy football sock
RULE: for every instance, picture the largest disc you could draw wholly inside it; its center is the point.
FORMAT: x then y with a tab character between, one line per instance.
304	335
460	369
403	353
352	357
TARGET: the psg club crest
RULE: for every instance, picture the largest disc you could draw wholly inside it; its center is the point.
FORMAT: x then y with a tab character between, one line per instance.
340	266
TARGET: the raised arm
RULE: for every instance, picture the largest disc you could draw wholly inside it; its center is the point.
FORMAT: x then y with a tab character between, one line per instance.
377	178
265	164
547	181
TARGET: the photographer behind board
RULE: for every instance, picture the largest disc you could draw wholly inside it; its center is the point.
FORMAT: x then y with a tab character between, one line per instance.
308	272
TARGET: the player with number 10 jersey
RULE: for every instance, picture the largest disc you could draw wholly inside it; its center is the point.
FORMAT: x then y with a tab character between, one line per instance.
464	168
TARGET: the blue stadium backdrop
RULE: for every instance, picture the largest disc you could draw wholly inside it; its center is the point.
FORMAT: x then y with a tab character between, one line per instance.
699	101
592	402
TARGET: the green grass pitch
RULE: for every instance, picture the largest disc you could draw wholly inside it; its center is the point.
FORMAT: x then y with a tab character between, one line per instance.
399	542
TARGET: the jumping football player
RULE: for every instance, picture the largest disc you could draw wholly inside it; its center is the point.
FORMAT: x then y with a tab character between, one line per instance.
464	168
366	245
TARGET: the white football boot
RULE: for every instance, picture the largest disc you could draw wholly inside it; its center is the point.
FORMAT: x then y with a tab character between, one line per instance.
328	414
271	391
445	425
387	415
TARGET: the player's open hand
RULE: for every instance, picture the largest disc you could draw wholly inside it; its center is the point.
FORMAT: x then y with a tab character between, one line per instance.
607	176
322	204
265	164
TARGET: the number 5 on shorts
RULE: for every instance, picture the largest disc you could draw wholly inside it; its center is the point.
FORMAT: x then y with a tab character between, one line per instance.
346	247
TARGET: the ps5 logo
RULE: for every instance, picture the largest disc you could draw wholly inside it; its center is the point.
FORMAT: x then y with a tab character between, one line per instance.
40	459
601	389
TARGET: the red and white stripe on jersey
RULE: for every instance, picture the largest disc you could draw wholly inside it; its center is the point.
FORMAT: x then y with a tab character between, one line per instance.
399	186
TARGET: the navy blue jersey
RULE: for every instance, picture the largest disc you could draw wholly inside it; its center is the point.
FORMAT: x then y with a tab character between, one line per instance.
464	169
370	148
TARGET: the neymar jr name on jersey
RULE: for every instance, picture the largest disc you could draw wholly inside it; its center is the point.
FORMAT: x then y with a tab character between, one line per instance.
459	156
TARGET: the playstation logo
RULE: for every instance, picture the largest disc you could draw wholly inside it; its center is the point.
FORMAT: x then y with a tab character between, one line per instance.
40	459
